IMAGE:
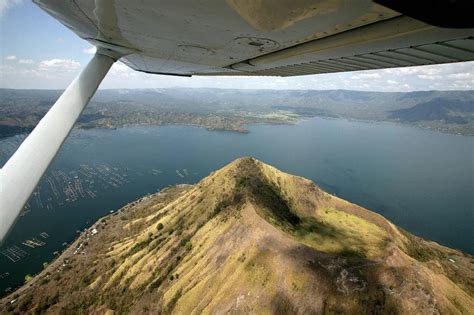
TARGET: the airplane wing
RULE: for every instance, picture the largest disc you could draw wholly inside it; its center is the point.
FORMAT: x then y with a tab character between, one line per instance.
270	37
233	37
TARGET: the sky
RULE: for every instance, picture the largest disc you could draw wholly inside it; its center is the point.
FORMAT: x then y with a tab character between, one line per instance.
37	52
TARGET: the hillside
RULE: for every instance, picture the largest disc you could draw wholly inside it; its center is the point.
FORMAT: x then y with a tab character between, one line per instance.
228	109
449	111
249	238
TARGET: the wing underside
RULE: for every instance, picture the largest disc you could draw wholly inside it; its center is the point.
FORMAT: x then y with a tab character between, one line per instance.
261	37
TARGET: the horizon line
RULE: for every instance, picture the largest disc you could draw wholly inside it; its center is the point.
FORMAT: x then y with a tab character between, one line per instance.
237	89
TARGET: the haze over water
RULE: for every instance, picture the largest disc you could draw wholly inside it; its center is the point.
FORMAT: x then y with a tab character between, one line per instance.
419	179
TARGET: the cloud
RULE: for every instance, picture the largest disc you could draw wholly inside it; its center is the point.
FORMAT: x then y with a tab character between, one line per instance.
59	64
366	75
5	5
431	70
20	61
26	61
27	73
451	76
462	75
369	75
121	70
59	72
89	51
430	77
454	76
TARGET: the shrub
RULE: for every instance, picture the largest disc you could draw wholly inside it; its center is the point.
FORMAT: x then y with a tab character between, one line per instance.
139	246
28	278
86	280
353	253
173	301
46	302
25	303
44	281
188	245
155	284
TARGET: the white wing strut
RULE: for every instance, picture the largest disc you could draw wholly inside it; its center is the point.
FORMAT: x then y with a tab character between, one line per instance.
22	172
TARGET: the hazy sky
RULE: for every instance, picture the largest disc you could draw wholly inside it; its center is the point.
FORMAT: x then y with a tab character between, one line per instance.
36	51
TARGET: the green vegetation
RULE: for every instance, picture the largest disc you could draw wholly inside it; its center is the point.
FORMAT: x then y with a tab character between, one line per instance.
25	303
155	284
46	302
345	234
44	281
416	248
311	225
28	278
139	246
272	204
86	280
188	245
173	301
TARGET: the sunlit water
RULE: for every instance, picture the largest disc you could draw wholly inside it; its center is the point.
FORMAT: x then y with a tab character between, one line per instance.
419	179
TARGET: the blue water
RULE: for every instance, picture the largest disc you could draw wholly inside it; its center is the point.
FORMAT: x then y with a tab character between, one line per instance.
421	180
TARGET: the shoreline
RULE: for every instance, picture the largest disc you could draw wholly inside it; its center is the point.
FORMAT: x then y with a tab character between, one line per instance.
246	131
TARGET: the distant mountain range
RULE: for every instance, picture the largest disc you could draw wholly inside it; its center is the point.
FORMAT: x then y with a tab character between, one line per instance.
449	111
248	239
225	109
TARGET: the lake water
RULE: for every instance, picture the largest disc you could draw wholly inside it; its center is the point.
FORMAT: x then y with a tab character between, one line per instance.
419	179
